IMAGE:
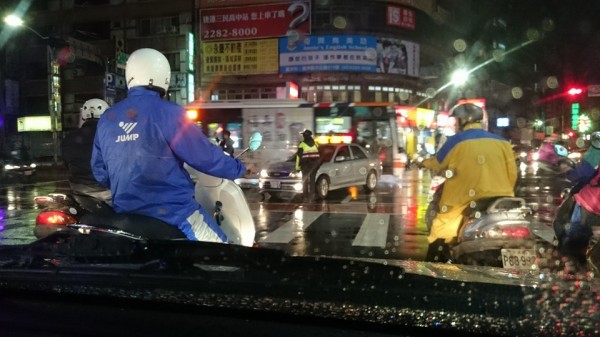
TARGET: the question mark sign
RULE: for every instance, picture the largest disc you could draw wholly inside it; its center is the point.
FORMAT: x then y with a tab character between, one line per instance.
302	17
292	33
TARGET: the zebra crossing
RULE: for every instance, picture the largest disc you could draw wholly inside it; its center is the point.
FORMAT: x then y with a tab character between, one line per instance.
361	229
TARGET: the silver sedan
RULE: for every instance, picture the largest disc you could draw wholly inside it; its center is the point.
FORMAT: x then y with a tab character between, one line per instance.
343	165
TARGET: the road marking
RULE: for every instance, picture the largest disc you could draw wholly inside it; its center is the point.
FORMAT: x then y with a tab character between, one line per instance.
373	232
288	231
346	200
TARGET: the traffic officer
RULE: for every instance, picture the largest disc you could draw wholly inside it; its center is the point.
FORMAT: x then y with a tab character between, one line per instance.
308	161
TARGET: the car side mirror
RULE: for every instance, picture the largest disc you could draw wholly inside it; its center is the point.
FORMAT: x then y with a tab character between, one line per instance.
340	158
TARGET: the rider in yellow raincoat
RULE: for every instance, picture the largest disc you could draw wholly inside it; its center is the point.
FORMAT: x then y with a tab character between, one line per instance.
483	166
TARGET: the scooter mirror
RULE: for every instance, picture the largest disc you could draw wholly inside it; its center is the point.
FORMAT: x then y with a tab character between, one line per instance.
596	139
561	150
430	149
255	141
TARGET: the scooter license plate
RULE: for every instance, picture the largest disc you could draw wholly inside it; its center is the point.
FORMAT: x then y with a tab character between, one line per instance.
275	184
517	258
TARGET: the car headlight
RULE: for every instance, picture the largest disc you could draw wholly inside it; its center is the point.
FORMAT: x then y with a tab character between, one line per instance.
296	174
33	165
264	174
10	167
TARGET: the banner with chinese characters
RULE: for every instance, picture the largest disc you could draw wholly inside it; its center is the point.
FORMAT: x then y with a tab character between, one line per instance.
328	53
232	3
251	22
240	57
401	17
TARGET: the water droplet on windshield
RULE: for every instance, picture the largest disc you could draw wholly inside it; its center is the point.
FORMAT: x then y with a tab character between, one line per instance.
460	45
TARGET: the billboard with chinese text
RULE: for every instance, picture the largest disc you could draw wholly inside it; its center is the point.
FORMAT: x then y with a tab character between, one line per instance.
252	22
240	57
401	17
328	53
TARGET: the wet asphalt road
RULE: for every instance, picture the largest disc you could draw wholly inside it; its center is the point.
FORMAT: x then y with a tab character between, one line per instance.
385	224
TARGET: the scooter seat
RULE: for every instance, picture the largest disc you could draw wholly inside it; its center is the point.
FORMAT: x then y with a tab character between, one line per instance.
136	224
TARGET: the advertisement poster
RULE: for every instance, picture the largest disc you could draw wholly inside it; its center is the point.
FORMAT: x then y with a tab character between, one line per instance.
252	22
240	57
328	53
396	56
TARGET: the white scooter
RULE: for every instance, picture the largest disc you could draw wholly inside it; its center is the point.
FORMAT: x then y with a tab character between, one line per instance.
223	197
226	200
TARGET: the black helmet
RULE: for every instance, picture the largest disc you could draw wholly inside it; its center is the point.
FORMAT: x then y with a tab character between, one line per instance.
306	133
466	113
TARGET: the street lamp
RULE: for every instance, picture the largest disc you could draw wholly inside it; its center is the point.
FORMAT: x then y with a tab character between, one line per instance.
459	77
15	21
54	97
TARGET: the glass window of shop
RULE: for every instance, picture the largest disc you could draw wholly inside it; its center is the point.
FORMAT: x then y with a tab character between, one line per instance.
240	93
159	26
174	60
387	94
327	17
331	93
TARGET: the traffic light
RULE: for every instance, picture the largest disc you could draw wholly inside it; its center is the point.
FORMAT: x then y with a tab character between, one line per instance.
575	91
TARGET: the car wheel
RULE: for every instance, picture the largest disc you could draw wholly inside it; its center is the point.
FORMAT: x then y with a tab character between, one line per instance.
371	181
323	187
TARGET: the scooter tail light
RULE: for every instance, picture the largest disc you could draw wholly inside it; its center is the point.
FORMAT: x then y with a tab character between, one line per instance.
518	232
43	200
55	218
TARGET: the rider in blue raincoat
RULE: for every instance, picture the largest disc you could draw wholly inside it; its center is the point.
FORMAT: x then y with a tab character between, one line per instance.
141	145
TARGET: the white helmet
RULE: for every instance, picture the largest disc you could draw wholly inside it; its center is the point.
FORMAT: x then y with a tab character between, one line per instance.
149	68
92	108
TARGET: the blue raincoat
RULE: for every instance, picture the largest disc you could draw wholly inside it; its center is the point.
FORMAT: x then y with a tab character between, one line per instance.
140	147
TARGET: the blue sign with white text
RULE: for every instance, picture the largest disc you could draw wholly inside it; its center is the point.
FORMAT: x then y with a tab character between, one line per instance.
328	53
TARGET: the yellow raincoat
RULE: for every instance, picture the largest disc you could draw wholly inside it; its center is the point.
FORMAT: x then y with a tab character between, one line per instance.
483	165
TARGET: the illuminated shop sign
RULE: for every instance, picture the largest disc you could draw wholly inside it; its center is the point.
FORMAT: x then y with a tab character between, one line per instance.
328	53
348	53
34	123
252	22
401	17
240	57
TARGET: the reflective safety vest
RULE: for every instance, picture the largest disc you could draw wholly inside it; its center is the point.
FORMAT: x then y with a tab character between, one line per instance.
308	152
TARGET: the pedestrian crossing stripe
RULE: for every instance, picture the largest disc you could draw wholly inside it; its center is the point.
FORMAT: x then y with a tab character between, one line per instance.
372	233
286	233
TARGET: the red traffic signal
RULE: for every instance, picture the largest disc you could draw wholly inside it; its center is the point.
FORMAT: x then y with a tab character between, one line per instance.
575	91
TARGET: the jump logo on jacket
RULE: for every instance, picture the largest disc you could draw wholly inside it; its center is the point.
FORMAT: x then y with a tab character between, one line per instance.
128	136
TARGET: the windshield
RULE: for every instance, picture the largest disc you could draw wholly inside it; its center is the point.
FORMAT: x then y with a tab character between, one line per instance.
499	194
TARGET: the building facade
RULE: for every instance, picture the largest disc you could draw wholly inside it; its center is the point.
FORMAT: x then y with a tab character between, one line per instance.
321	50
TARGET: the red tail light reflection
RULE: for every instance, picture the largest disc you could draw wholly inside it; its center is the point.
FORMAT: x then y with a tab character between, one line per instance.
519	232
55	218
